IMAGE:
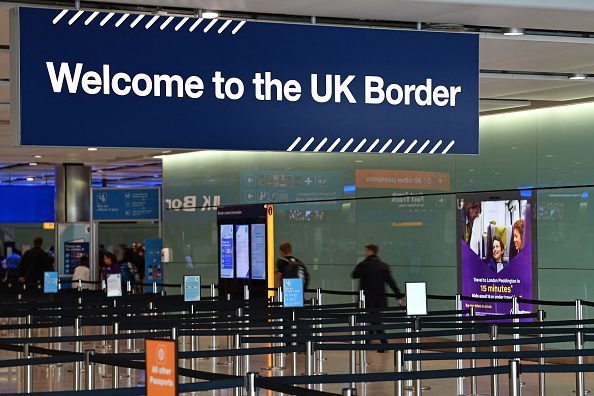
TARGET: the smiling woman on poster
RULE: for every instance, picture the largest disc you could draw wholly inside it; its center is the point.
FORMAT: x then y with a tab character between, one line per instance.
518	238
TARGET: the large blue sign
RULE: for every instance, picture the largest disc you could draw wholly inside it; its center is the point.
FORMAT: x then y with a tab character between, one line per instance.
236	85
26	204
125	204
292	292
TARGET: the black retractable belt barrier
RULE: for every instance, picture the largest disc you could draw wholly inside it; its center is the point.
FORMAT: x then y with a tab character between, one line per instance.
271	384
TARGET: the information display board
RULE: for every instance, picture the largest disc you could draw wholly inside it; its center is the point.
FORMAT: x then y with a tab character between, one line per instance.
73	251
416	298
258	251
227	251
497	250
192	288
161	367
50	282
114	285
242	250
153	271
307	87
126	204
292	292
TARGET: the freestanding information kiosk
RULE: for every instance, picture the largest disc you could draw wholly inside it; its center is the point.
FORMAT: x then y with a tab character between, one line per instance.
246	249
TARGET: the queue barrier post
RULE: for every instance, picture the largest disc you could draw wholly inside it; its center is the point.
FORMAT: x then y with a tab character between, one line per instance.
473	379
494	334
237	364
349	392
77	349
541	361
319	353
90	369
516	311
246	292
418	383
28	371
309	360
399	368
294	354
79	287
129	287
155	287
213	295
514	378
115	374
352	352
362	352
580	389
250	384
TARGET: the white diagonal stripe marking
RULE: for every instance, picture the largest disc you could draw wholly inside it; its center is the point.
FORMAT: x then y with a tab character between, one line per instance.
59	16
419	151
181	23
227	22
309	142
414	142
388	143
237	27
75	17
195	24
347	145
211	24
322	143
121	20
398	146
435	147
292	146
370	149
90	19
356	150
151	22
106	19
167	22
333	146
448	147
135	22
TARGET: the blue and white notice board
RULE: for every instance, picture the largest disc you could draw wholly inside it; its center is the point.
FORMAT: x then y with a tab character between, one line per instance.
122	204
293	87
292	292
50	282
192	288
153	264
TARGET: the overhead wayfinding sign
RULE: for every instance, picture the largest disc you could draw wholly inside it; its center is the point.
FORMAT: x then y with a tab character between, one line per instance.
103	78
113	204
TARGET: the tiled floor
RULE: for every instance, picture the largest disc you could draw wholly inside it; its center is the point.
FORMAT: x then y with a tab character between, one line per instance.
54	377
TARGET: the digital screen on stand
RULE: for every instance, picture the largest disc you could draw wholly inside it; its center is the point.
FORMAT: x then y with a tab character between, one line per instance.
259	251
242	250
227	251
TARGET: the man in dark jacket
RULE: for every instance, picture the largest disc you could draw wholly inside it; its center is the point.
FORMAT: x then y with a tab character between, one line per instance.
374	274
34	263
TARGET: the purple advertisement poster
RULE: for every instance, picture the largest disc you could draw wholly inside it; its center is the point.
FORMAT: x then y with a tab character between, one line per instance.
496	256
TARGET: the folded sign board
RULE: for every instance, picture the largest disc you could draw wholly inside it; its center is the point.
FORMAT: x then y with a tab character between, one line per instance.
134	80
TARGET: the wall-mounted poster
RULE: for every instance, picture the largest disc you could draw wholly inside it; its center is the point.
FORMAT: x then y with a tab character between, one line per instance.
497	250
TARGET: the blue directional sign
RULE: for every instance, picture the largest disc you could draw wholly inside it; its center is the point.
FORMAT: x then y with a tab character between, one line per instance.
241	85
111	204
292	292
50	282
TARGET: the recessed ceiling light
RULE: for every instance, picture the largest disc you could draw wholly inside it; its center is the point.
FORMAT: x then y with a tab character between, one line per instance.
92	149
577	76
30	179
512	31
32	163
38	156
549	155
165	152
209	14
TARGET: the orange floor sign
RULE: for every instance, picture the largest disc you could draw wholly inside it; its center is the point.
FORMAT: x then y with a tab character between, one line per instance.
161	367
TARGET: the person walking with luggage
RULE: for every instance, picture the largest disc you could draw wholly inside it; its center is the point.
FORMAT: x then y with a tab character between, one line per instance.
373	275
288	266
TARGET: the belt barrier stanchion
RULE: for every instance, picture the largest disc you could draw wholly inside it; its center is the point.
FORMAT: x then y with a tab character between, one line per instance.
250	384
580	389
213	295
352	353
28	371
237	364
246	292
155	287
514	378
79	287
280	356
541	361
459	338
494	333
309	360
115	379
90	371
294	354
229	361
408	365
516	336
237	344
362	352
349	392
473	379
319	353
129	287
399	368
29	328
77	349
